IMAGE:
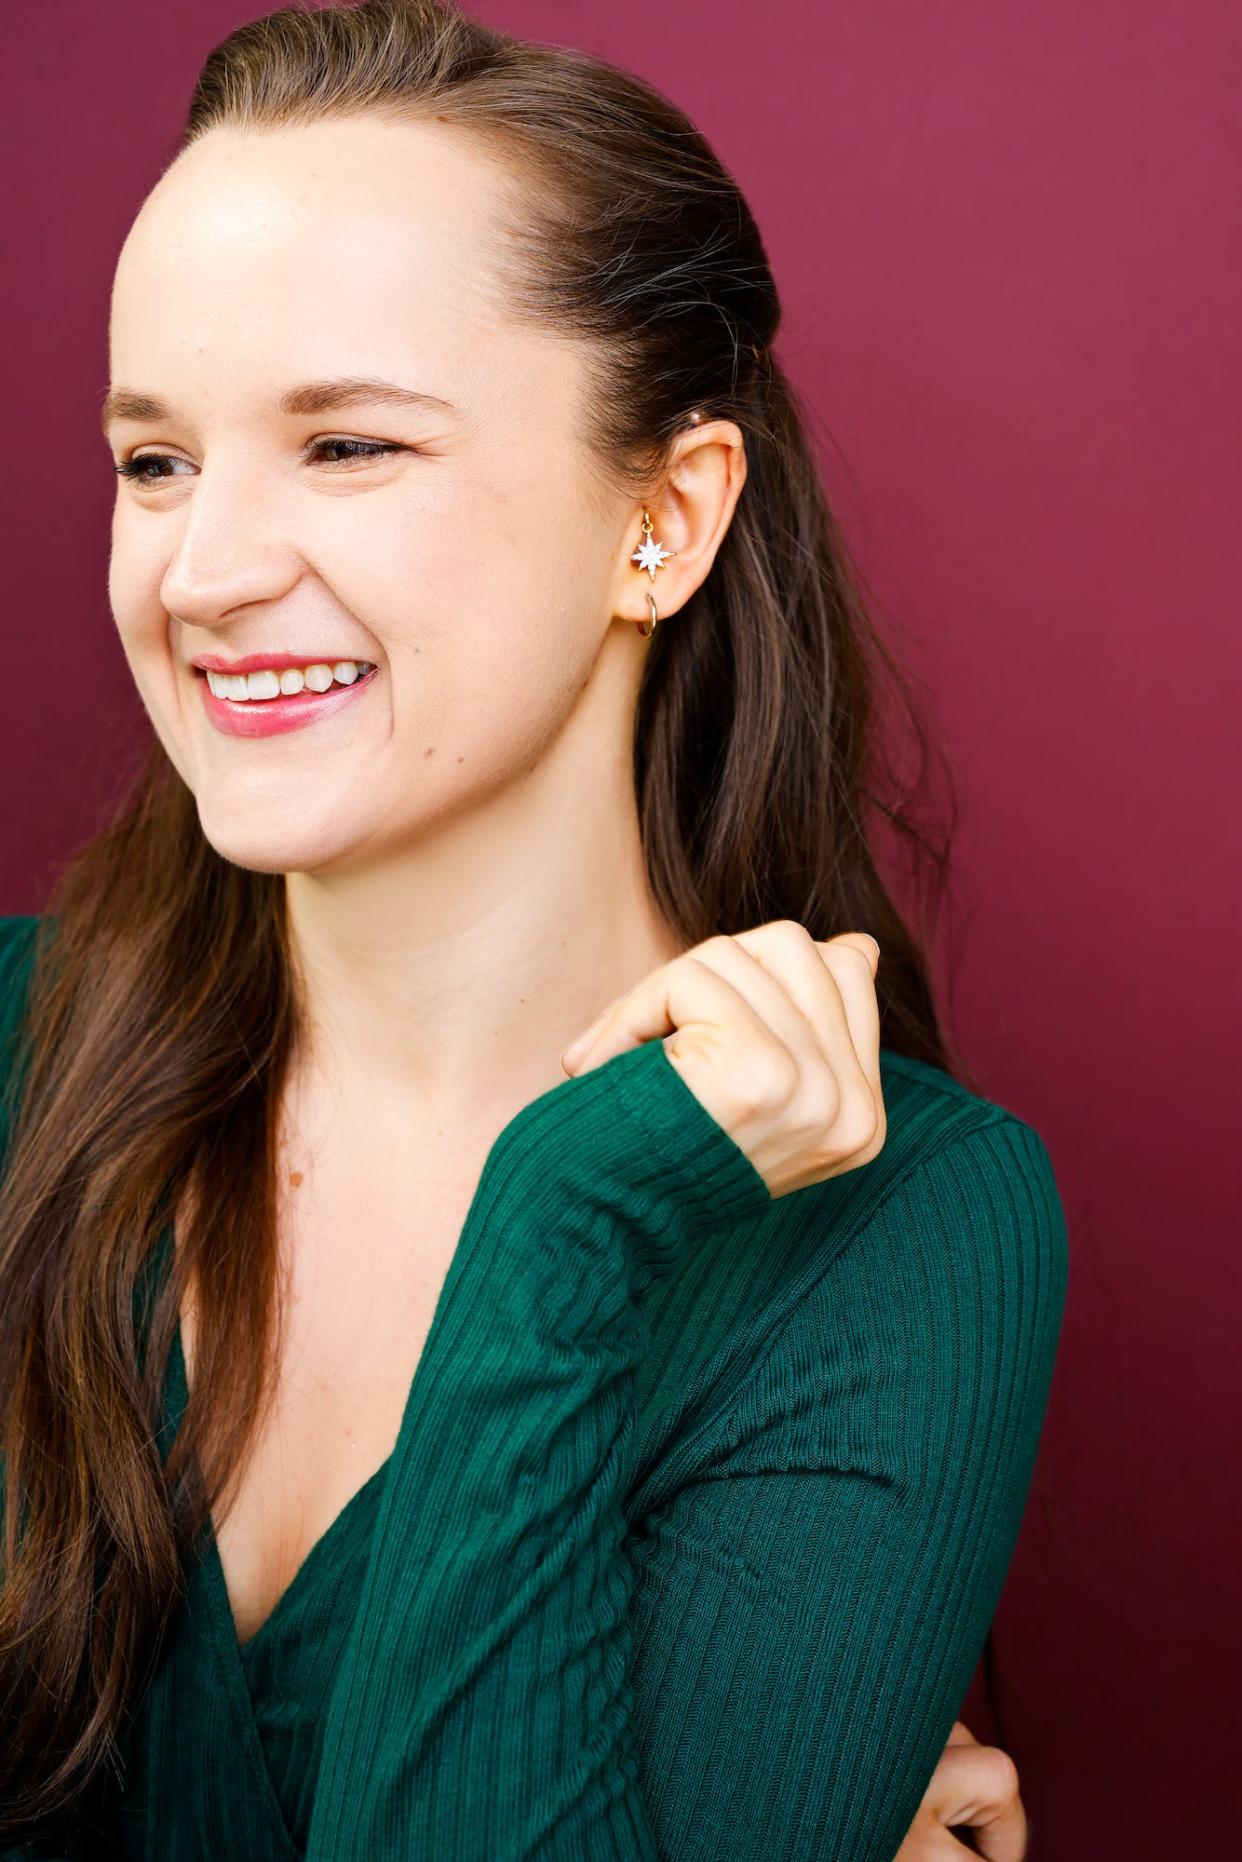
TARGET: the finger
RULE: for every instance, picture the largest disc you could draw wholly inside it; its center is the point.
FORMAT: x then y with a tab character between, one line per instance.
976	1787
740	1072
580	1046
853	959
791	955
677	996
786	985
800	1021
1002	1835
855	979
833	984
961	1735
929	1841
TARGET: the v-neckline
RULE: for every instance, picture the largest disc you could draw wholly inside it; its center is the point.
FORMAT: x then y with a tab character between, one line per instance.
232	1658
212	1562
647	1055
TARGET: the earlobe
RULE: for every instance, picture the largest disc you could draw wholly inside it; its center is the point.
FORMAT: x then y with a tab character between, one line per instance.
650	556
691	512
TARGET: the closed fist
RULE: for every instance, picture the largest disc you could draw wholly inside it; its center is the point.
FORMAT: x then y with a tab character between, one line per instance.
973	1788
778	1037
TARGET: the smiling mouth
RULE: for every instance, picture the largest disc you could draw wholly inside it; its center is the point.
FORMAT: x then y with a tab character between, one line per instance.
268	687
257	717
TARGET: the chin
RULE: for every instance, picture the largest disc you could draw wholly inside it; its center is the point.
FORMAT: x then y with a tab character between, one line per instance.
270	845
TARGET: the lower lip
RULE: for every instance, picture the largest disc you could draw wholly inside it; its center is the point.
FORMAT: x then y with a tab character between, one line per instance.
267	717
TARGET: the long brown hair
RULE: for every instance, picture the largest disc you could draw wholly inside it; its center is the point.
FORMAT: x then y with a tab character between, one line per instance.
162	1009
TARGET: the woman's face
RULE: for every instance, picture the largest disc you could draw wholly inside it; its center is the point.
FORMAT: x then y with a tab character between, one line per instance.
472	561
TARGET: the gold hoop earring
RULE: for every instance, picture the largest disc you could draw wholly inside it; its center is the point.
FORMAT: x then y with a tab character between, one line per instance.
650	556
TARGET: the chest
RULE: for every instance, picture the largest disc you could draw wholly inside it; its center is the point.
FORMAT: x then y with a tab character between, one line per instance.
361	1284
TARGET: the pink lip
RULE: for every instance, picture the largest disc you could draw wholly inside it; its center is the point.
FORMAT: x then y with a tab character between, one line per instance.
266	717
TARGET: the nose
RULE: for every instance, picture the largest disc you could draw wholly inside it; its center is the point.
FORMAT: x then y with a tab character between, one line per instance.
230	552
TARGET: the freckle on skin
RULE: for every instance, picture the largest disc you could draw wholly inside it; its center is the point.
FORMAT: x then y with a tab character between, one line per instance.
430	750
295	1177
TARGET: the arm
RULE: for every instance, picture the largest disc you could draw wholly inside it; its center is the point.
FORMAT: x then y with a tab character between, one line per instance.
821	1587
829	1610
482	1709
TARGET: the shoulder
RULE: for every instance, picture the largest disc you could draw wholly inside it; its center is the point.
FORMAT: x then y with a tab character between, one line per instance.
958	1145
960	1177
930	1105
18	942
962	1204
18	934
906	1300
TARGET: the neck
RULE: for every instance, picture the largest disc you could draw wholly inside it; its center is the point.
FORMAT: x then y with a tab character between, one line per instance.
442	981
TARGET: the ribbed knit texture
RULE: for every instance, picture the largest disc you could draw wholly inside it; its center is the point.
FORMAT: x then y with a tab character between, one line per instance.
700	1508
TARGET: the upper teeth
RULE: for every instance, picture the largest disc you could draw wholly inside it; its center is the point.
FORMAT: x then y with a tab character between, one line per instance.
271	684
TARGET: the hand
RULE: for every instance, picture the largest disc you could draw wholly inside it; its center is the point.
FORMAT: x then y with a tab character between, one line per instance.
778	1036
975	1787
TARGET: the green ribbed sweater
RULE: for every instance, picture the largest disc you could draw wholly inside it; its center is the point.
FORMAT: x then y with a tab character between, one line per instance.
699	1511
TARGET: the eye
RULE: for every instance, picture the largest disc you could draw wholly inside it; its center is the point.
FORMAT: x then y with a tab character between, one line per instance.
136	469
366	449
139	467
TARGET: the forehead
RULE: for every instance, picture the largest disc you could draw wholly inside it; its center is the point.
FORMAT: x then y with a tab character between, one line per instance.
356	246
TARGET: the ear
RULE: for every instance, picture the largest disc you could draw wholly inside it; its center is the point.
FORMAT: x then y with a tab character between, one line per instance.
690	514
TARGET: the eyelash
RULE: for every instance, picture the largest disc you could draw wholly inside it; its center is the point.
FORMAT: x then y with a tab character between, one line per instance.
370	449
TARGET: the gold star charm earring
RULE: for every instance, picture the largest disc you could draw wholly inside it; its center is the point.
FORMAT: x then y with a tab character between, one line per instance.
650	556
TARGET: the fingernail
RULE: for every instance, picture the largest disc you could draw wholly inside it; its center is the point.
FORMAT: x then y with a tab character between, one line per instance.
578	1049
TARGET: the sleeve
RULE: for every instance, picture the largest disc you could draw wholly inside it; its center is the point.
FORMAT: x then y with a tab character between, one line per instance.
839	1549
811	1604
17	948
484	1713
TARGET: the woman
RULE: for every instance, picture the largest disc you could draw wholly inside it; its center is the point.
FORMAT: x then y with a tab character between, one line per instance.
617	1455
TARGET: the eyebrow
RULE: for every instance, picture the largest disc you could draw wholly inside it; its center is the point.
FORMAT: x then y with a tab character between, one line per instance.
310	397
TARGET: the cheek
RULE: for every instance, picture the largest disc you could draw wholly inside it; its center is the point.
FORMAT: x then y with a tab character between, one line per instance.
482	690
142	628
134	598
489	611
486	680
143	633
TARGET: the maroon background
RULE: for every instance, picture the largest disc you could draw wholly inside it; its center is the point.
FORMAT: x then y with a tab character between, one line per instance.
1008	243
